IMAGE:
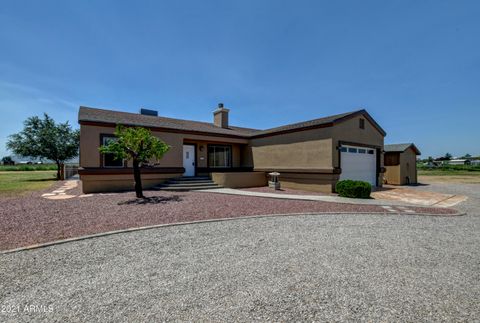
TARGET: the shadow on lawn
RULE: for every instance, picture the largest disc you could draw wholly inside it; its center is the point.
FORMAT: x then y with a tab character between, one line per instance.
152	200
41	179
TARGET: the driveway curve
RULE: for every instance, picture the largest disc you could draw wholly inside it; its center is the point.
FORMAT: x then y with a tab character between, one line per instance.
311	267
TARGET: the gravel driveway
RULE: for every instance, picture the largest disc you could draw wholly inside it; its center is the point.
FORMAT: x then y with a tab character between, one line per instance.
315	267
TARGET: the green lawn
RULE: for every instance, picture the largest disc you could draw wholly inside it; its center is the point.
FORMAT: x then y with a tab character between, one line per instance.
19	182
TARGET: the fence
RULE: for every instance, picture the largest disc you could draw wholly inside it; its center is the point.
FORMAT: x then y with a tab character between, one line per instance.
69	170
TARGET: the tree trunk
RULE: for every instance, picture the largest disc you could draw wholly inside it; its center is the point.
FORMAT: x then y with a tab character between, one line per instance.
138	179
58	170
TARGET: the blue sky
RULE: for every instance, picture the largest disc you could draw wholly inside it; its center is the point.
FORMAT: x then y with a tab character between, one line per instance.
414	65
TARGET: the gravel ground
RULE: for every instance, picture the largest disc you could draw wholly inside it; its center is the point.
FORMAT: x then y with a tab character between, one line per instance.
298	268
32	219
290	191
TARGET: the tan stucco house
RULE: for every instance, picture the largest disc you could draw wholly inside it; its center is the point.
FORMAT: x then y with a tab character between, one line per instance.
311	155
401	164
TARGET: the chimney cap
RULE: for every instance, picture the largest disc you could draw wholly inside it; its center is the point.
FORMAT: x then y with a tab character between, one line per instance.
220	105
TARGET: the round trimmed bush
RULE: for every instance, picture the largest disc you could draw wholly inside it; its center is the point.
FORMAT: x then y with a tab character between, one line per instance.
355	189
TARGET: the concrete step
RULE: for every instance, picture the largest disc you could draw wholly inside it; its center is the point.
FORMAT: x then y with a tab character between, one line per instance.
193	178
198	181
182	188
190	184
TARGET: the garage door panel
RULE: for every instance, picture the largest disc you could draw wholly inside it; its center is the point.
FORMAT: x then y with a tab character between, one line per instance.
358	163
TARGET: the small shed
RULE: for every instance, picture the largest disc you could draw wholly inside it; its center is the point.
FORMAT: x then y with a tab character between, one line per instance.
400	161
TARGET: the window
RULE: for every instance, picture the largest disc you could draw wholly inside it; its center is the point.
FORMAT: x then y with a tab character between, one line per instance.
392	159
362	151
362	123
370	151
352	150
219	156
343	149
108	159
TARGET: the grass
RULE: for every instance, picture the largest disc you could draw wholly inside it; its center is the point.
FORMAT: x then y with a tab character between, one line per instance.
18	182
449	170
440	172
23	168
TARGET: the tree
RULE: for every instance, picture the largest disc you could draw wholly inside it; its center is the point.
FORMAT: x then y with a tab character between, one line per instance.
43	138
7	160
448	156
430	159
137	144
467	156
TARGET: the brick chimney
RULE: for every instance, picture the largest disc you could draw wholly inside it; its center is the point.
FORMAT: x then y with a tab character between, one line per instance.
220	116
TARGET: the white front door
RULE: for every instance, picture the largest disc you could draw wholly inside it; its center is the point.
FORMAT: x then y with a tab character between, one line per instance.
358	163
189	160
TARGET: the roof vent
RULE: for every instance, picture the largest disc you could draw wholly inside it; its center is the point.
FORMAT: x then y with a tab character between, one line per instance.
148	112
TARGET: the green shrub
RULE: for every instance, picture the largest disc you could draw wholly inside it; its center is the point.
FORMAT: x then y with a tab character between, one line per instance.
355	189
31	167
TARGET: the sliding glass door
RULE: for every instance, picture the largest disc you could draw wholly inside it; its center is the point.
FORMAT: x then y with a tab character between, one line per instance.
219	156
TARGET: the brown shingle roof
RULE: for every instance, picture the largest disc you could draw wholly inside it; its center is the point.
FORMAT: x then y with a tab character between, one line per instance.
87	114
399	148
136	119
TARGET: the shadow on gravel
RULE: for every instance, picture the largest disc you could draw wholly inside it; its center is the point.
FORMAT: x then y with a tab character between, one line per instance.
152	200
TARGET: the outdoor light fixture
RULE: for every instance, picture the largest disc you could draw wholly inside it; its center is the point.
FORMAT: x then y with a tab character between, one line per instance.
274	182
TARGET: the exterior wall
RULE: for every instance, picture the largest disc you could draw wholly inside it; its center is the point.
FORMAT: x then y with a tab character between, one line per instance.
408	166
90	142
120	182
303	158
315	182
397	175
240	179
392	175
308	149
350	132
202	152
90	158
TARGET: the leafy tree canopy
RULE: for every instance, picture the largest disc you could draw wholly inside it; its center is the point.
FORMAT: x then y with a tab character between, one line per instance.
44	138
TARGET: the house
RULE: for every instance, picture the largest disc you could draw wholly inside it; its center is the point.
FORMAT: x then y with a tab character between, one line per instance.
401	164
311	155
458	162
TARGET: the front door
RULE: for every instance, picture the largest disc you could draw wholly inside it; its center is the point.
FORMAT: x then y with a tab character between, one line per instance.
189	160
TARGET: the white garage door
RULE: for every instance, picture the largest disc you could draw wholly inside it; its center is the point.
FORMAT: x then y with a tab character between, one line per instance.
358	163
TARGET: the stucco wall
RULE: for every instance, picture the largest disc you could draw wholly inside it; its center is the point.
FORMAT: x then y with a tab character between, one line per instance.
120	182
308	149
240	179
90	142
350	131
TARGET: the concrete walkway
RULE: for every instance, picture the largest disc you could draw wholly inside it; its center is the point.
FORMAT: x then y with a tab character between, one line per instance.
378	198
323	198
